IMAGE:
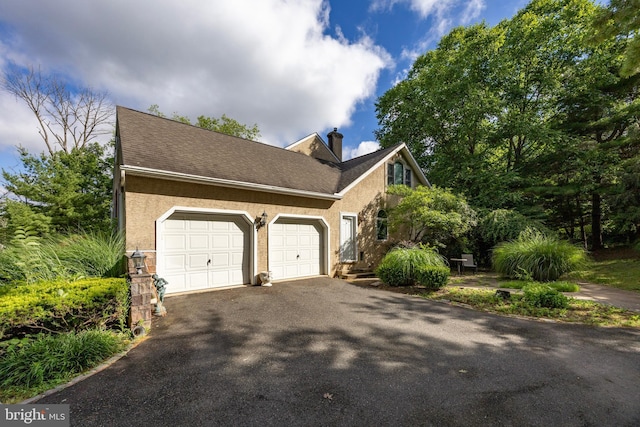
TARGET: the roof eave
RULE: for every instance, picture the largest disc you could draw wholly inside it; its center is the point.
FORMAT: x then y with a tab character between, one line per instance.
197	179
421	177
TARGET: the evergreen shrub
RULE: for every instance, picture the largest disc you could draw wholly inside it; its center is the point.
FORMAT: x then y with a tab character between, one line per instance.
541	295
61	306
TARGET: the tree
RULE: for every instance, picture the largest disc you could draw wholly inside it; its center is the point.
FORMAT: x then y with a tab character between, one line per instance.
430	215
67	119
527	115
621	19
224	124
61	192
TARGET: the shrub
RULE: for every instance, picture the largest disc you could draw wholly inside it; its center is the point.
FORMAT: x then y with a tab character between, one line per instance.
433	277
62	306
92	255
53	357
537	256
30	259
399	266
503	225
539	295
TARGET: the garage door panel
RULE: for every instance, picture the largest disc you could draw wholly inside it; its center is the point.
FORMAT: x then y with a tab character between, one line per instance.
190	241
237	258
220	260
197	260
174	242
197	277
177	281
220	278
295	248
174	263
198	225
198	241
237	242
175	225
220	242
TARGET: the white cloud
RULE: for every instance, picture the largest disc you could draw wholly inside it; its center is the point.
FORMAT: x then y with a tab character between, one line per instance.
423	7
18	125
365	147
472	10
445	14
268	62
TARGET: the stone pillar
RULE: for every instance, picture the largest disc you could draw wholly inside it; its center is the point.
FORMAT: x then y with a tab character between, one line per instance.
142	290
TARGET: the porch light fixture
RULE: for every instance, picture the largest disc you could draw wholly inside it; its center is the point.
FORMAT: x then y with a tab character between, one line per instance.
138	260
261	221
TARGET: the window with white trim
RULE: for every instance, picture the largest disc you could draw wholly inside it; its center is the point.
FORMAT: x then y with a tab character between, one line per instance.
398	173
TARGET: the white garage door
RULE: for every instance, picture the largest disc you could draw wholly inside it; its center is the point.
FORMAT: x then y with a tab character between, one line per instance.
204	251
295	249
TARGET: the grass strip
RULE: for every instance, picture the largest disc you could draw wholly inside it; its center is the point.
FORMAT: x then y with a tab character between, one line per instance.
578	311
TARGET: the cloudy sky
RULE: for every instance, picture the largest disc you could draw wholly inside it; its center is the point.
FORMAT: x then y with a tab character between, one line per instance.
293	67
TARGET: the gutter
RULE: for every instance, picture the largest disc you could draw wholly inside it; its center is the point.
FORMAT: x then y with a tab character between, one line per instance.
197	179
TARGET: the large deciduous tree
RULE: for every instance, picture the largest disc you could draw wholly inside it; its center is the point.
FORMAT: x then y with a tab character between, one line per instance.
621	19
526	115
67	119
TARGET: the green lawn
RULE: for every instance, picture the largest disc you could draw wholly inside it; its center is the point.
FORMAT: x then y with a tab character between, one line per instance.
619	273
578	311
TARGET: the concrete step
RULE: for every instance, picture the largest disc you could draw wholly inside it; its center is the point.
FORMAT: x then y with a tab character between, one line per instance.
357	274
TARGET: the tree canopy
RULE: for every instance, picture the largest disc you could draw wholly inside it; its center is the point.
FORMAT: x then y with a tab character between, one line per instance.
61	192
529	115
224	124
430	215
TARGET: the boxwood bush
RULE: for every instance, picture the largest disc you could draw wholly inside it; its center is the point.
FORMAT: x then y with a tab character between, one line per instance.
536	256
540	295
433	277
407	266
62	306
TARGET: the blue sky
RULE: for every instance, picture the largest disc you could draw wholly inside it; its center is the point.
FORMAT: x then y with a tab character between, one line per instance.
292	67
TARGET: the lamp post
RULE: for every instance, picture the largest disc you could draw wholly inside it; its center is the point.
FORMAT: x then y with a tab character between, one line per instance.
138	260
261	221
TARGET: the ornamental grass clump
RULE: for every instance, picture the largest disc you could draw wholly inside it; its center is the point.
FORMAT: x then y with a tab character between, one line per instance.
55	357
408	266
537	256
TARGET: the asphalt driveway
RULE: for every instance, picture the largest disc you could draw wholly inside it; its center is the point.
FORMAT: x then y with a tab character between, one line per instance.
324	352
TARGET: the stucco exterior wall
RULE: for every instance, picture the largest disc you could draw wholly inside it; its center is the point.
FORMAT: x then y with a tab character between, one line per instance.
147	199
314	147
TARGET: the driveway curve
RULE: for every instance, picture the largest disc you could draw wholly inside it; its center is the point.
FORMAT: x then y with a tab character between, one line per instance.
324	352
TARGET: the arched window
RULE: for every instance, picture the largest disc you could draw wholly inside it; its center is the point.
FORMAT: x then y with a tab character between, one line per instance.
382	231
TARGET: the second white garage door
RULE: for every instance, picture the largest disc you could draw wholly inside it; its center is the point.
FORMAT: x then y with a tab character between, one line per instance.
204	251
295	249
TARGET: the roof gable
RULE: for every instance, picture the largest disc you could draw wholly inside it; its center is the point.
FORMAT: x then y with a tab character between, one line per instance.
313	145
160	147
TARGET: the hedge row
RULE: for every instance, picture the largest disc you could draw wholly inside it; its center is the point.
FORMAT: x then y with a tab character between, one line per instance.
62	306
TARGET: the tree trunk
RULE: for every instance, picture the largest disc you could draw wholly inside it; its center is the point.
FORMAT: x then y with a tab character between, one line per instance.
596	218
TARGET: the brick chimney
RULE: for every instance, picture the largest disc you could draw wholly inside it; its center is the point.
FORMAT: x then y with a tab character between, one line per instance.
335	143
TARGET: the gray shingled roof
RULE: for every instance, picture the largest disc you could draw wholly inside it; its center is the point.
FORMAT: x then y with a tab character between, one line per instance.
157	143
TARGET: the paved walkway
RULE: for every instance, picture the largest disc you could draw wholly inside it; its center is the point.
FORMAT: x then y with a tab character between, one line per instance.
608	295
